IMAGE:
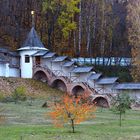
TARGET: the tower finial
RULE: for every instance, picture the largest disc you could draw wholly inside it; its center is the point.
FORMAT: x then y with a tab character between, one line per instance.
33	18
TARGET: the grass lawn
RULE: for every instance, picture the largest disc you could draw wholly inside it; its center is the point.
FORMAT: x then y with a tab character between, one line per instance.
24	122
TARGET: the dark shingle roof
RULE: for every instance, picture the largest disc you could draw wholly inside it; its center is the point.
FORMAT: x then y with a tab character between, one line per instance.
95	76
68	64
7	51
3	59
40	53
4	50
107	81
82	69
60	58
33	40
49	55
128	86
14	54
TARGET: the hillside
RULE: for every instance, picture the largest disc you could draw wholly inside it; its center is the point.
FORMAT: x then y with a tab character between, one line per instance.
7	86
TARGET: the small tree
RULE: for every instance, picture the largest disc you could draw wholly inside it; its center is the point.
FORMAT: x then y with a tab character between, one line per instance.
123	103
2	117
1	97
19	94
72	110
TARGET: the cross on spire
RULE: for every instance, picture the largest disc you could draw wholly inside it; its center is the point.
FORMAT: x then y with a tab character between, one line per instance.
33	18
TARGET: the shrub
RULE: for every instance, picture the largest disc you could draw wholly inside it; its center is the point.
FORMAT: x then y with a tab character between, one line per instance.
2	117
123	103
4	98
19	94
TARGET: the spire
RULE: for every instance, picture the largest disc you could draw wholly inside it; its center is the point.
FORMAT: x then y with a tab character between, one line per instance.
33	40
33	18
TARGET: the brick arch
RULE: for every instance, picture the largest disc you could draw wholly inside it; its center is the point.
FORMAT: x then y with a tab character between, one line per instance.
101	101
41	74
59	83
78	89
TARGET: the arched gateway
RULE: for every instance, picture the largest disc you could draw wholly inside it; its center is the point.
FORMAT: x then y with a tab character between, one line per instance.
40	75
59	84
77	90
101	101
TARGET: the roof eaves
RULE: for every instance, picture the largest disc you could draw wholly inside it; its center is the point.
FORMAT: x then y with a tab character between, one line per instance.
107	81
81	69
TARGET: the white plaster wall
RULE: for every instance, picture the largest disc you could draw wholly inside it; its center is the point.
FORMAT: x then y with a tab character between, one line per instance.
57	65
134	94
137	95
26	68
94	85
91	83
108	89
2	69
99	88
83	77
58	69
14	61
14	72
7	68
67	70
47	62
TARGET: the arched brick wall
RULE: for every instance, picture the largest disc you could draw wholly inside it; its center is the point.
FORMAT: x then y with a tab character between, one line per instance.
59	83
65	85
77	90
40	75
101	101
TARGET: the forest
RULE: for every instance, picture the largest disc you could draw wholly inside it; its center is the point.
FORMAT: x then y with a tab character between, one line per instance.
88	28
77	28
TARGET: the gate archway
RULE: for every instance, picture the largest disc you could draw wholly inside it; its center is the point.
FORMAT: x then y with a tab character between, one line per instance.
40	75
59	84
78	90
101	102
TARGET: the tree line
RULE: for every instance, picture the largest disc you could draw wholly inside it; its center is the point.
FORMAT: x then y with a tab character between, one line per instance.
88	28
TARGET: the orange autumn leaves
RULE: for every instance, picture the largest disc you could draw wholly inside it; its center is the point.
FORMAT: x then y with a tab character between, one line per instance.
72	109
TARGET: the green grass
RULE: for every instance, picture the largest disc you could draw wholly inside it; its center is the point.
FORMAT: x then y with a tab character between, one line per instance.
24	122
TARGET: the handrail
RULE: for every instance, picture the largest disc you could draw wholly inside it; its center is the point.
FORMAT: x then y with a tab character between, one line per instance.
72	79
88	86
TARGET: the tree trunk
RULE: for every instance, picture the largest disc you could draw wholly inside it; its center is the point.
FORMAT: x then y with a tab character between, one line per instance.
72	125
49	38
94	25
80	28
74	41
120	118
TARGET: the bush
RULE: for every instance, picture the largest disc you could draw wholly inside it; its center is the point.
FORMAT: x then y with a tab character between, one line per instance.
123	103
19	94
5	99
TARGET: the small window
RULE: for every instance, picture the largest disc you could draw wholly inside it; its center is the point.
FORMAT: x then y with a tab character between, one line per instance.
27	59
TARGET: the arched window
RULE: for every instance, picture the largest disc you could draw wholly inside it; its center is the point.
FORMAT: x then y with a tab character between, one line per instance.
27	59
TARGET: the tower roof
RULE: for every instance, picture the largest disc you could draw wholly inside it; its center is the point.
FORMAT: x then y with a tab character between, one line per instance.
33	40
